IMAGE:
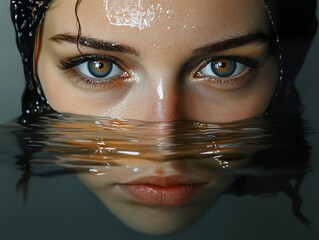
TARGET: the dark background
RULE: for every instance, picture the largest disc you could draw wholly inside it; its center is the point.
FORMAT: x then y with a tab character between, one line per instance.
227	212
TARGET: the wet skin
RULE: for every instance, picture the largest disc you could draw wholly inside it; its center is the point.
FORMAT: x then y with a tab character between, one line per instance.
163	71
210	61
158	190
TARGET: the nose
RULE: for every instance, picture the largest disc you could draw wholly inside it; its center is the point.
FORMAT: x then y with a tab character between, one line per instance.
165	102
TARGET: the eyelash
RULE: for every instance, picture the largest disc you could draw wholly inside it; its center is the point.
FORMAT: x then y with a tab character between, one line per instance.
69	64
250	63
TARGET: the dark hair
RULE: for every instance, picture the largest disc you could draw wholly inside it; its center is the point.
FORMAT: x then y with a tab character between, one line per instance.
296	24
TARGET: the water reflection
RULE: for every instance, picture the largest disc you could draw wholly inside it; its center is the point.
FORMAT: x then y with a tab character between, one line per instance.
159	178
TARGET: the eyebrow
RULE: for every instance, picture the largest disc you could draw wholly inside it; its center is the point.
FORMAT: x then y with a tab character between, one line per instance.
95	44
122	48
233	43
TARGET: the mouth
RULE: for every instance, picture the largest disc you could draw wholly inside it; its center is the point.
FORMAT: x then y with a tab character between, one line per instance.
162	191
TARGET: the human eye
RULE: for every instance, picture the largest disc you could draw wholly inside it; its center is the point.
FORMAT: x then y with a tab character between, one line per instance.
227	72
94	70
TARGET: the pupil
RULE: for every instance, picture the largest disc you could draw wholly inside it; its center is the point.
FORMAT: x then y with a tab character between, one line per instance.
100	69
222	64
224	68
99	65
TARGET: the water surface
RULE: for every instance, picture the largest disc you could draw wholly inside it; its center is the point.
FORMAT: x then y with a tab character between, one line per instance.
54	173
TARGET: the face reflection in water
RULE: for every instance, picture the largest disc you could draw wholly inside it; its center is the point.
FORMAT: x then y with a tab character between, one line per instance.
156	61
197	62
151	181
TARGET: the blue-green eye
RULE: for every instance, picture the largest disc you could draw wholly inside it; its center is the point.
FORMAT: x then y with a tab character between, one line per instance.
101	69
223	68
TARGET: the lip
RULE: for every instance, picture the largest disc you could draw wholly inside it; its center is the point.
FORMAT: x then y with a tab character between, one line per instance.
163	191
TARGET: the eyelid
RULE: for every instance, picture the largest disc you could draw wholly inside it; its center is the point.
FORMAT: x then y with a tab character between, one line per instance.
248	61
75	61
69	66
232	82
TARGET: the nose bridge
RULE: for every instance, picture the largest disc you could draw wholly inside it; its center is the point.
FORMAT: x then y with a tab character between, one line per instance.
165	99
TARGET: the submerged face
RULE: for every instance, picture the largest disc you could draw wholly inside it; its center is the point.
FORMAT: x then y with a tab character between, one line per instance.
157	198
148	182
158	60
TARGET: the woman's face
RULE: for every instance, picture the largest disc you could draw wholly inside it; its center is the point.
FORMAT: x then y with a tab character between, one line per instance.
158	60
147	183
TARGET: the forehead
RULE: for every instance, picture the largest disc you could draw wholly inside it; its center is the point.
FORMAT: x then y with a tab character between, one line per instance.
153	19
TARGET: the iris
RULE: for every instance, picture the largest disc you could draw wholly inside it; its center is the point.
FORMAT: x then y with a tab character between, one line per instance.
100	68
224	67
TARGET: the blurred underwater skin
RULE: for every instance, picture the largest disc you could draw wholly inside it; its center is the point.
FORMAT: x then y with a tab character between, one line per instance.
173	172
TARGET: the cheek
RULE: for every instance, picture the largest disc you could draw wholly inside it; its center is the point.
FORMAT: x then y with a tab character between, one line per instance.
59	92
47	75
255	102
227	106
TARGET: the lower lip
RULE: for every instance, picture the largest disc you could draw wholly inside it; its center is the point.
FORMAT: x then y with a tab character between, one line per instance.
149	194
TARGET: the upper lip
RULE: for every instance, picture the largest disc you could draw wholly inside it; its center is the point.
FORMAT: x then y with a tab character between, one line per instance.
166	181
